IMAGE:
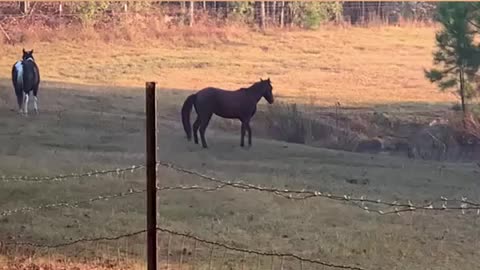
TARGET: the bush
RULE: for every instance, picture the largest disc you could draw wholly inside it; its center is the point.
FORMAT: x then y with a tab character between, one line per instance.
286	122
243	12
467	128
312	14
90	9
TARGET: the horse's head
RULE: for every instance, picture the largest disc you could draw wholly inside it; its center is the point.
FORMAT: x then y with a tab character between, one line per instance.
267	89
27	55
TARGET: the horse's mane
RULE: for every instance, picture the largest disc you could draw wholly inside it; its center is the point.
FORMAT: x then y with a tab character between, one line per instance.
251	87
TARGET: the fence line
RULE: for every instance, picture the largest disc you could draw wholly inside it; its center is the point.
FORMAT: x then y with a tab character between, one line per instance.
442	204
104	197
284	193
231	247
462	204
287	194
63	177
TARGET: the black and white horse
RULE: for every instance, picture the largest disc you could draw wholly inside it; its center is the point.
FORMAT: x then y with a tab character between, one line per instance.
26	79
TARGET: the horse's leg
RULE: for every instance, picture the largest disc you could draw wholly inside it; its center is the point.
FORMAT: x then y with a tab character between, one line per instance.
35	98
35	102
25	103
20	102
242	134
249	129
203	127
196	125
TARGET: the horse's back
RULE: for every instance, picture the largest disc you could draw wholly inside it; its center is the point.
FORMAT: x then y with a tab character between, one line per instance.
225	103
31	76
211	91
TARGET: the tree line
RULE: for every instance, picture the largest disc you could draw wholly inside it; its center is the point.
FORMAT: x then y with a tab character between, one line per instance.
260	13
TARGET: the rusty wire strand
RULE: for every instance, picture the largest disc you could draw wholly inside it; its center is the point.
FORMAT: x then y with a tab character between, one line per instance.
63	177
398	207
461	205
104	197
231	247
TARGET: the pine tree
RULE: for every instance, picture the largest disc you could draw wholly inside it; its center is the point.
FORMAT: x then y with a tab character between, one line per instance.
457	54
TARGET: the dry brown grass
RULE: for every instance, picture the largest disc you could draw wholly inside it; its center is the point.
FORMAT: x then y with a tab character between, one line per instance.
354	66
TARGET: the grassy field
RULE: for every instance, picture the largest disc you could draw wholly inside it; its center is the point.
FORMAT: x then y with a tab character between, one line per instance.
354	66
92	117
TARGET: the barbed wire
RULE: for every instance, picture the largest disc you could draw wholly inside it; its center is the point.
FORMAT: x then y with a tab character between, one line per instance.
73	242
442	204
104	197
72	204
63	177
461	205
231	247
257	252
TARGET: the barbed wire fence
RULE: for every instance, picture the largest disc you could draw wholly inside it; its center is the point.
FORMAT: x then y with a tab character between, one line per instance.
406	205
442	204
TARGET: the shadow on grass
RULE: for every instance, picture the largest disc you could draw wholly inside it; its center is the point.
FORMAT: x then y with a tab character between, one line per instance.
371	128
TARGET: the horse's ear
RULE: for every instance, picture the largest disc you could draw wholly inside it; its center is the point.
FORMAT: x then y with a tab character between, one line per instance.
268	80
31	51
23	50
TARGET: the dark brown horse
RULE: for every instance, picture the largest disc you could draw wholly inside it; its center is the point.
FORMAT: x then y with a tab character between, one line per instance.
240	104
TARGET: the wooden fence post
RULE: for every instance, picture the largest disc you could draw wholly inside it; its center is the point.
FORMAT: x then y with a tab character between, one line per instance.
151	151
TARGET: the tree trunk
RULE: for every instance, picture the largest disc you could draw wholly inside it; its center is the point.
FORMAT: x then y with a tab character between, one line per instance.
24	5
267	10
282	14
462	90
274	12
183	7
60	8
262	15
363	12
192	5
379	11
125	7
204	5
292	15
227	9
215	11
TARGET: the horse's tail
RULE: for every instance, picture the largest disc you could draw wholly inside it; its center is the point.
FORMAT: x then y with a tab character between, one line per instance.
36	78
186	110
17	79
